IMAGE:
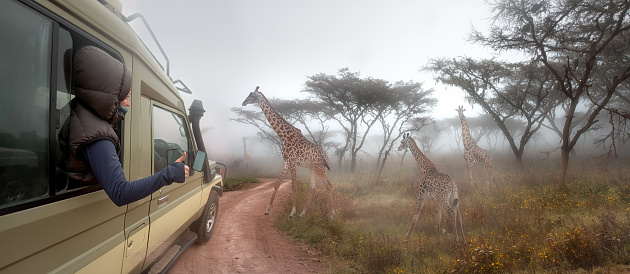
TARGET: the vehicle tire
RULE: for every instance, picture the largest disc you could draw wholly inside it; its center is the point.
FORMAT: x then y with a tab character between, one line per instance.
205	225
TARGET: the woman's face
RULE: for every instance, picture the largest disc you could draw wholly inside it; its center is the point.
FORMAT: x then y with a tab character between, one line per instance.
126	102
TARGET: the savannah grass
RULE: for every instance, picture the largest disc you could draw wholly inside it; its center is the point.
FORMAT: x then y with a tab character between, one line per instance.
526	224
232	184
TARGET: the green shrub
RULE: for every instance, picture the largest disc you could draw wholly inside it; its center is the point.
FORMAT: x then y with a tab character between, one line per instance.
238	183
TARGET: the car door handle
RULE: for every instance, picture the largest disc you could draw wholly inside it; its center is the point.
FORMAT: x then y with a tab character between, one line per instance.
163	199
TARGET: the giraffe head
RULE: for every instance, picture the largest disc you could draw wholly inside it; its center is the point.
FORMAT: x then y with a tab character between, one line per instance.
460	110
405	143
254	97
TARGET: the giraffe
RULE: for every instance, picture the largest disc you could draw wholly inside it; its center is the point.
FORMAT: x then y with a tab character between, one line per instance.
434	185
246	156
297	151
473	153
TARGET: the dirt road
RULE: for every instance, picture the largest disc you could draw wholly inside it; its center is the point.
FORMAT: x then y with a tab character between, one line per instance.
245	240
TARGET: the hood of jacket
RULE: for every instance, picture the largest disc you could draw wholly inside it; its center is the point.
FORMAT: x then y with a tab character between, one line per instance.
100	82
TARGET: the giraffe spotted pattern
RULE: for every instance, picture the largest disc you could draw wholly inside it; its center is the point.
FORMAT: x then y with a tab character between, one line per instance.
474	154
297	151
437	186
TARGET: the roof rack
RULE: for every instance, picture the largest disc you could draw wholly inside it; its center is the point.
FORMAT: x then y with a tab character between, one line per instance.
136	15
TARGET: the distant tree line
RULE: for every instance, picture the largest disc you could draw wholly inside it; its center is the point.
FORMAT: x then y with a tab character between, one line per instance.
355	104
573	79
578	56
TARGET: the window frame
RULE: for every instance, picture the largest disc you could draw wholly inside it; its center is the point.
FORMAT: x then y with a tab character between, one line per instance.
191	150
79	38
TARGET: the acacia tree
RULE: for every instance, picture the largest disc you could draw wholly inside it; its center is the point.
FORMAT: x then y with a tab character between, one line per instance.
356	103
618	109
484	127
258	120
427	131
312	115
409	101
580	35
479	126
295	112
505	91
454	124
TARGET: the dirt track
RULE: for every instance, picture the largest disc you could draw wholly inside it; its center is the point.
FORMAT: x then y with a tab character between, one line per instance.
245	240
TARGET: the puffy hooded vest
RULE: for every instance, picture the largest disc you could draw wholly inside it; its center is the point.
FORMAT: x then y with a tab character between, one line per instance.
100	83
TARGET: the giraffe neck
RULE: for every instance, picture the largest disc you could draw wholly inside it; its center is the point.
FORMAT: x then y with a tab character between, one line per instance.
466	137
284	130
424	162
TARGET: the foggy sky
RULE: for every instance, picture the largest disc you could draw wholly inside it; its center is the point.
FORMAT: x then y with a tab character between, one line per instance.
222	50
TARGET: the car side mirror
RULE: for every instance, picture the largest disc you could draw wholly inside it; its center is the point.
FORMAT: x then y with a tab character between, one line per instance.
198	164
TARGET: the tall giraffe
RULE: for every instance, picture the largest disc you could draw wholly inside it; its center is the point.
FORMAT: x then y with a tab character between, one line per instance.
297	151
246	157
474	154
434	185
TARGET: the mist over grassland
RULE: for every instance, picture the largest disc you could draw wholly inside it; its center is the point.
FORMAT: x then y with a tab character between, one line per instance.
528	223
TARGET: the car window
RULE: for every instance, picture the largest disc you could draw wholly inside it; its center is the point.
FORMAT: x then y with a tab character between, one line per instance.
25	72
36	57
170	137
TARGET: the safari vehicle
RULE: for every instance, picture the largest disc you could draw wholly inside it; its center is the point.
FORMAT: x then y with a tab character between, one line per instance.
49	224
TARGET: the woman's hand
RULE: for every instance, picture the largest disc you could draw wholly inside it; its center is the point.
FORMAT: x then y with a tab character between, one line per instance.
181	160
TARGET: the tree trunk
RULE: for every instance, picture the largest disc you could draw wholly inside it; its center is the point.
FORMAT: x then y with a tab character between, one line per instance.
519	159
565	166
382	165
519	162
353	162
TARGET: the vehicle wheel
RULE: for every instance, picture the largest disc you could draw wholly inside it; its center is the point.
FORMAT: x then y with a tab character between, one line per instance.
205	225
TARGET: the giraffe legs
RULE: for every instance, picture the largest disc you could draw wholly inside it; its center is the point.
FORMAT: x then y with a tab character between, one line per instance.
416	216
331	198
438	219
313	188
318	172
294	188
470	170
276	186
454	213
461	226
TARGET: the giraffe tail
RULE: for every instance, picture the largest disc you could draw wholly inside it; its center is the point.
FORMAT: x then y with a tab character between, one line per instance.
455	197
326	164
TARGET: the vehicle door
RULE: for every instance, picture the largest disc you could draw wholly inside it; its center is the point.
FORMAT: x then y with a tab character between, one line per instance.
173	207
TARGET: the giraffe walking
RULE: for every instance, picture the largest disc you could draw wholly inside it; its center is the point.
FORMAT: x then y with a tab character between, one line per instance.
474	154
297	151
246	157
434	185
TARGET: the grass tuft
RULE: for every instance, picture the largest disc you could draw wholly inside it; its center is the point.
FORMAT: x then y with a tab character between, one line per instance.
238	183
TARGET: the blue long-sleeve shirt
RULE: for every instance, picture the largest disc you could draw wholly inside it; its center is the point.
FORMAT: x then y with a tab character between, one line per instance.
101	155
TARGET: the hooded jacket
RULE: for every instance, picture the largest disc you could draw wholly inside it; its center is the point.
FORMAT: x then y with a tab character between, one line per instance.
89	139
100	83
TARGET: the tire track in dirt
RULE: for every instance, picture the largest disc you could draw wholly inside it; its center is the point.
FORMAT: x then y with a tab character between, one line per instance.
245	241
